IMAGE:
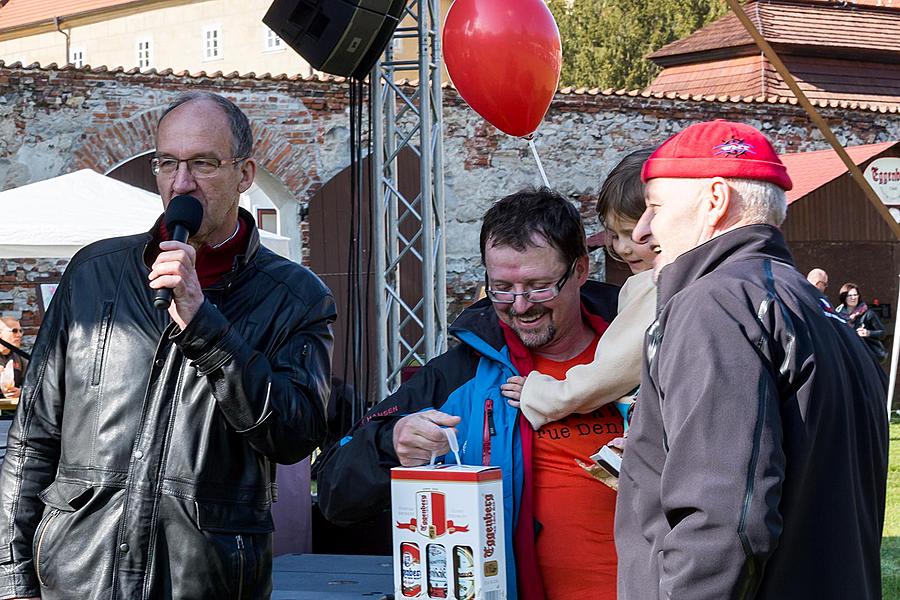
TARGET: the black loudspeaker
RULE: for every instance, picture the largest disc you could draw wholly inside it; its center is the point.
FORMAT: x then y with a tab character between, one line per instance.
339	37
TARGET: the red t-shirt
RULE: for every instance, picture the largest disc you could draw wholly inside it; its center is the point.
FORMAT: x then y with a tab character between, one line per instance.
575	547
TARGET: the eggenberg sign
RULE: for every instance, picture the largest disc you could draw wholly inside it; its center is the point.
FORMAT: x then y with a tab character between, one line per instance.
884	177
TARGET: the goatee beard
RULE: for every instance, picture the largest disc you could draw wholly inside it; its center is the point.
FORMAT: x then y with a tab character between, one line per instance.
537	339
533	339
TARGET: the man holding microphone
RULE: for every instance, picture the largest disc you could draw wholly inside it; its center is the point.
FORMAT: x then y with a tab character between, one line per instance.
141	460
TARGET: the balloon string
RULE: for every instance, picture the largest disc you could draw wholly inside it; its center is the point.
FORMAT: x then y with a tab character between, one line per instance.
538	160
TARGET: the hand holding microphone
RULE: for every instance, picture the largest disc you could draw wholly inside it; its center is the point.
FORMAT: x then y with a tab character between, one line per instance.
173	273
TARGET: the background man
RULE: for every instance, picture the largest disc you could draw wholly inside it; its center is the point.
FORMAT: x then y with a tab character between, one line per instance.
140	460
757	457
541	313
11	333
819	278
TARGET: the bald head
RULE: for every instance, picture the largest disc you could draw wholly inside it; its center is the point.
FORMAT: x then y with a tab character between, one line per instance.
818	278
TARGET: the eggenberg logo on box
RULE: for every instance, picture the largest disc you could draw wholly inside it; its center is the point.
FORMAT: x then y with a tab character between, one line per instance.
489	516
432	509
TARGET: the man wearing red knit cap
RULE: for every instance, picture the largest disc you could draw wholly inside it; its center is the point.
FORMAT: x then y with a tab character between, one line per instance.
757	456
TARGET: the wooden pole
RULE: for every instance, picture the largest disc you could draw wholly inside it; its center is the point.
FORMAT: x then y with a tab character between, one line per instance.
895	355
814	115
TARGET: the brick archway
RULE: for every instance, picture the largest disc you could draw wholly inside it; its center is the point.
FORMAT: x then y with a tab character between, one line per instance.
103	149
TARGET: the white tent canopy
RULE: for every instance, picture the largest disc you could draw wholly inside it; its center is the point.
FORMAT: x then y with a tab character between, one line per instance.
56	217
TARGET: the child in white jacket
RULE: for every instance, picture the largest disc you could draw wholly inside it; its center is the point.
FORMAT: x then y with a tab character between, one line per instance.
615	372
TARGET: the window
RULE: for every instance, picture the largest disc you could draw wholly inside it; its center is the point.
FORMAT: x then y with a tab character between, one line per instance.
272	41
212	42
267	219
144	54
76	57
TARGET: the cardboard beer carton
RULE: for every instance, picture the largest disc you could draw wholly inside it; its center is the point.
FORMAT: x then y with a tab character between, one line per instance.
448	532
604	466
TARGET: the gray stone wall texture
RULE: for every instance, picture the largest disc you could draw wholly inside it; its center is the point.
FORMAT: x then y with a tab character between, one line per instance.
53	121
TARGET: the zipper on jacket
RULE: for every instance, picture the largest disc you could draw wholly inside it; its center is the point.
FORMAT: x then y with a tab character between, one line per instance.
490	419
489	430
102	334
240	546
37	553
304	355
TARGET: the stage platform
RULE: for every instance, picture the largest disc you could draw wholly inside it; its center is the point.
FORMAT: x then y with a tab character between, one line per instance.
332	577
315	576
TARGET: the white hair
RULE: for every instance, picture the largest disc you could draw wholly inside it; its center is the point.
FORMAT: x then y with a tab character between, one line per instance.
760	201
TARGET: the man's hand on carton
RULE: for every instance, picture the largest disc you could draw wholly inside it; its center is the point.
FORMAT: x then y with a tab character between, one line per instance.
418	436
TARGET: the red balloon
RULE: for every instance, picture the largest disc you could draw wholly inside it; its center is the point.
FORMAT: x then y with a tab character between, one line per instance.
504	58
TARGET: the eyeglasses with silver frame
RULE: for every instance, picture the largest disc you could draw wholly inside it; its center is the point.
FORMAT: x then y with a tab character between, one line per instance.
534	296
198	167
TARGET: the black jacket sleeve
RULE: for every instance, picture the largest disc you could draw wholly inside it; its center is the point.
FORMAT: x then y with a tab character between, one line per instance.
277	402
33	449
871	322
354	481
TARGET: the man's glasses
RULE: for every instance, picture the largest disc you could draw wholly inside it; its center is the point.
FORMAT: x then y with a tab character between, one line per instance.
15	330
199	167
533	296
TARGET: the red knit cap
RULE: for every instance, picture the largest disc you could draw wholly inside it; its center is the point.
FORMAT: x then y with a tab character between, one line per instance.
717	149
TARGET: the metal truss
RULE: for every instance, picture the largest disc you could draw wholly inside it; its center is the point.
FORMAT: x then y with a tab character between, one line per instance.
411	316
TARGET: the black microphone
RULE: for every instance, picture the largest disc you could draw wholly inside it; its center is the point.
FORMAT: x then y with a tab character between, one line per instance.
183	217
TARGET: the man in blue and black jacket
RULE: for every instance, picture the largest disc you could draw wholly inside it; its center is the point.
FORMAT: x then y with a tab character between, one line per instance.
540	307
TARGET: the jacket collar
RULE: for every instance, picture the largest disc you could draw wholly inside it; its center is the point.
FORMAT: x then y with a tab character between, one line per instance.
240	261
747	242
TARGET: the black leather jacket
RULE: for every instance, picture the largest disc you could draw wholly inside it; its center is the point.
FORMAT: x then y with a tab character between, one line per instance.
141	458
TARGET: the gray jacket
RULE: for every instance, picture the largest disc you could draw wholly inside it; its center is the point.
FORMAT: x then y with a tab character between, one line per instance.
757	457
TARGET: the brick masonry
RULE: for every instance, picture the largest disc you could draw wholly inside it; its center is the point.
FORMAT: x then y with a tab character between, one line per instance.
20	281
54	121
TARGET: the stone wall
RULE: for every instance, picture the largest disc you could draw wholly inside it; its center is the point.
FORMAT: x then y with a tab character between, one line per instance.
585	134
54	121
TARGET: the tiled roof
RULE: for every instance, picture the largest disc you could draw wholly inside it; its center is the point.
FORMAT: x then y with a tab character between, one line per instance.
811	170
15	13
742	76
849	53
798	24
820	78
876	107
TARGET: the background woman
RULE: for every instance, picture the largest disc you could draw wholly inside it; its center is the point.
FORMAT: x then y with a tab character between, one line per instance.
866	323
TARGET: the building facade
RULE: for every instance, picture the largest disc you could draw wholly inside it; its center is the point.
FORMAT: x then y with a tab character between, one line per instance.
210	36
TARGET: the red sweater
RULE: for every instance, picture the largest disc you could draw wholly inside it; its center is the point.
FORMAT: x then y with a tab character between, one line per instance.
213	263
